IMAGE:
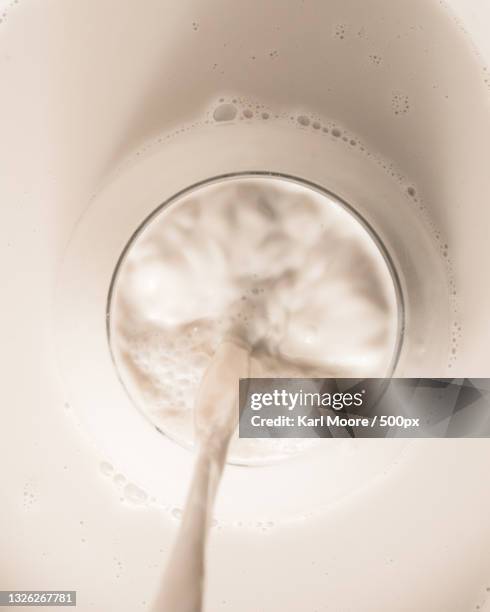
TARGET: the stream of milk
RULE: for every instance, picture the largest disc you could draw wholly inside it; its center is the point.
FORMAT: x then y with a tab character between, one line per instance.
216	418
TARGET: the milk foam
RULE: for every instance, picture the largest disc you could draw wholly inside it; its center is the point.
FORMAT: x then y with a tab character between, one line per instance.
295	271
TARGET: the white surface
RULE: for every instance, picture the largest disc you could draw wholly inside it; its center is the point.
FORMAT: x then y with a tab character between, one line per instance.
83	85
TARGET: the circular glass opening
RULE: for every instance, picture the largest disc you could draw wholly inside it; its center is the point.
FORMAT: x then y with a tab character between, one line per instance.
298	270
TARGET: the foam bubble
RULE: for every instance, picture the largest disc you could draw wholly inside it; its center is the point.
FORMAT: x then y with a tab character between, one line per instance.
376	59
177	513
119	480
400	103
340	31
134	494
225	112
106	468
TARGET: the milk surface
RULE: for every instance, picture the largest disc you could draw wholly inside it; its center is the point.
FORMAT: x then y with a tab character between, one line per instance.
296	272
